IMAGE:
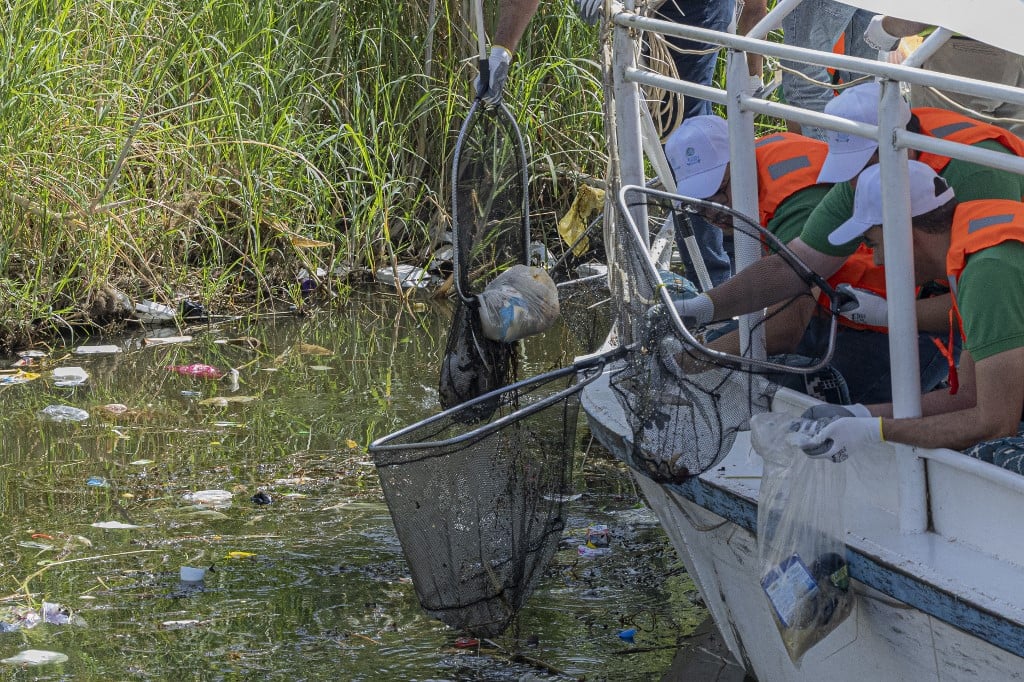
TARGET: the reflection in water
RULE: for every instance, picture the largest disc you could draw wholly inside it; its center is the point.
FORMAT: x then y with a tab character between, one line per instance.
312	585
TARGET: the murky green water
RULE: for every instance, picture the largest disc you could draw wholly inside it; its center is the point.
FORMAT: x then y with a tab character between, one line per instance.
312	586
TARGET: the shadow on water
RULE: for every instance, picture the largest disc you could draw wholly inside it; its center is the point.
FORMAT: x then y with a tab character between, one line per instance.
312	585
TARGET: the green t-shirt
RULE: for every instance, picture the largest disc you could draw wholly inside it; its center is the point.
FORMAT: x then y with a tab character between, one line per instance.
990	296
793	212
970	181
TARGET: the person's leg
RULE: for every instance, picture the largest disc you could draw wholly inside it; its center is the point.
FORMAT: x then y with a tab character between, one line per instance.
971	59
815	24
855	45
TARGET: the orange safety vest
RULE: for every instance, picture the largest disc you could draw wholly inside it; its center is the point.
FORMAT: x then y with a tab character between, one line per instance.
949	125
786	164
977	225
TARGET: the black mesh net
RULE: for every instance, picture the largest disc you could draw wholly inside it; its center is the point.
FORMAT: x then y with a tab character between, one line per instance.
480	513
491	232
686	392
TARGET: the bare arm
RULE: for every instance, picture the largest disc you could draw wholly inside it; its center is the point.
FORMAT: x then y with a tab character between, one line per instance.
902	27
769	281
513	17
990	407
751	12
933	314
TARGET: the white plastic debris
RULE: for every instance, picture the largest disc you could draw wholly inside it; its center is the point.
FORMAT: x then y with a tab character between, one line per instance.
114	525
97	350
35	657
69	376
63	413
191	574
409	276
153	312
214	499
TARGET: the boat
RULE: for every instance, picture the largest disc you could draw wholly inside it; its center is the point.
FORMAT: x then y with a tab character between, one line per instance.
931	543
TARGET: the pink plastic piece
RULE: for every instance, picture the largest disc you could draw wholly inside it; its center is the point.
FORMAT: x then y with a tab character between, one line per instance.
197	370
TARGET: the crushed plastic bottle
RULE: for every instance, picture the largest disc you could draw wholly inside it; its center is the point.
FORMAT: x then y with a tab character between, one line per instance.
63	413
197	369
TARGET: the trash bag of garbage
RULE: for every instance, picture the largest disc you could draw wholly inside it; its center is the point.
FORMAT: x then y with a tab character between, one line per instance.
520	302
800	534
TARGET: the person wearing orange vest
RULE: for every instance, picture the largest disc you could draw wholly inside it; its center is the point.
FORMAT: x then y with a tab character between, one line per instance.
979	246
788	166
772	280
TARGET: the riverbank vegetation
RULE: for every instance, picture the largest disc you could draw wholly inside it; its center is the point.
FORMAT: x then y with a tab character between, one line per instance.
214	149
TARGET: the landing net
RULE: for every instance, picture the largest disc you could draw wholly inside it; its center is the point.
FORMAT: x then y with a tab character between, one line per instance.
491	231
686	392
480	512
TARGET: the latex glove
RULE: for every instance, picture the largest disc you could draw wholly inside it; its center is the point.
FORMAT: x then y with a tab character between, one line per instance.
590	10
837	439
696	311
863	307
877	37
830	411
498	61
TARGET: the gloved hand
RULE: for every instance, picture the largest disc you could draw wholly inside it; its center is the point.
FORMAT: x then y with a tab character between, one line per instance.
830	411
498	61
863	307
696	311
590	10
837	439
877	37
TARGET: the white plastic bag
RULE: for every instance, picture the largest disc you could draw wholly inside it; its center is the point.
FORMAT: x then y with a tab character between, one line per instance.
520	302
800	535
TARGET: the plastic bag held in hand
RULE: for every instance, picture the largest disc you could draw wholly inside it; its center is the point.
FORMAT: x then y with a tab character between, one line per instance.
863	307
589	10
840	438
498	61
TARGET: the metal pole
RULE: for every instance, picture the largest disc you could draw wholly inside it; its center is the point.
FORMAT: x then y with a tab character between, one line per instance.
899	285
743	178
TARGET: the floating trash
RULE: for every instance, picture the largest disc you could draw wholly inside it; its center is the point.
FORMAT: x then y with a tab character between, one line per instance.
598	537
153	312
408	276
197	369
215	499
165	340
114	408
320	368
19	377
180	624
141	462
97	350
466	642
239	555
114	525
69	376
63	413
627	635
591	552
97	482
35	657
262	497
191	574
191	394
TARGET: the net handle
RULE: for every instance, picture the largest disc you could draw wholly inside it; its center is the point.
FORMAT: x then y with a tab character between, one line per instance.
481	43
594	366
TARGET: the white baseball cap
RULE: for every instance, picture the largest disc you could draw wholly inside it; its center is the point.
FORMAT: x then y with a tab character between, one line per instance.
928	191
848	154
698	151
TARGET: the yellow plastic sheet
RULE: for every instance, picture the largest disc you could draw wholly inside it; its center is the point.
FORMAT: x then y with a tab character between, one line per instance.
573	225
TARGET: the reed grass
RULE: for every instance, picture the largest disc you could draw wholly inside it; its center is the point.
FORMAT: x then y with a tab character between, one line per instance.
195	148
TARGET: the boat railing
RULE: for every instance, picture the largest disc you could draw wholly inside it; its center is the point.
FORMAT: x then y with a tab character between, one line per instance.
626	76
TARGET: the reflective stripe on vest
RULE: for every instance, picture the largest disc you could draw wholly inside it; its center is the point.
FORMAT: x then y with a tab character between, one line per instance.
981	224
949	125
786	164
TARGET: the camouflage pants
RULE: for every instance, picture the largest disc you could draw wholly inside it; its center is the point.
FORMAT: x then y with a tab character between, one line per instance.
1006	452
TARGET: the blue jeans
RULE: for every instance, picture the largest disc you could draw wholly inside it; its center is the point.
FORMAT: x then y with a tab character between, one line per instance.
862	357
700	68
817	24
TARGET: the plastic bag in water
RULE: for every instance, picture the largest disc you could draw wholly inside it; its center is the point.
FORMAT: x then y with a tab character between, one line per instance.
520	302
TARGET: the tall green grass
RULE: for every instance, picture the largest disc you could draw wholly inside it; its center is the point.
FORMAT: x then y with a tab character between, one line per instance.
182	148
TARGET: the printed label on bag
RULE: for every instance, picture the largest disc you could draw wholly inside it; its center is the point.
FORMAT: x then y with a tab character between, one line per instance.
789	587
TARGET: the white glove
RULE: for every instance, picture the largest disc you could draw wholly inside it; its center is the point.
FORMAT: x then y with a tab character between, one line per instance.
590	10
498	61
695	312
830	411
877	37
865	308
837	439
